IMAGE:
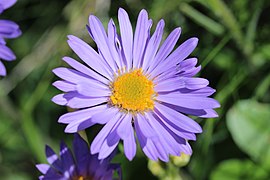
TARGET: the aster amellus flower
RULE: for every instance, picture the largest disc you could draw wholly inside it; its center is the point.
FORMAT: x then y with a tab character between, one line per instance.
8	29
81	166
134	83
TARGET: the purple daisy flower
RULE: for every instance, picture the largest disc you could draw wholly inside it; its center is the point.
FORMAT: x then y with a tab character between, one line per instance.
8	29
134	84
84	167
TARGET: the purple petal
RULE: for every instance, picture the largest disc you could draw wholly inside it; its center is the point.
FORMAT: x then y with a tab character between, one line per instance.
183	51
109	144
9	29
153	145
102	135
204	113
101	39
78	125
92	88
187	67
52	158
170	74
146	145
75	100
153	45
60	99
64	86
166	48
93	83
80	148
173	129
207	91
191	72
126	35
70	75
188	64
113	43
186	148
153	149
53	174
130	146
81	152
125	132
195	83
150	23
43	168
81	114
145	127
6	53
83	69
178	119
7	3
167	141
3	71
162	153
84	102
104	116
89	56
67	160
170	85
140	38
209	113
189	101
124	126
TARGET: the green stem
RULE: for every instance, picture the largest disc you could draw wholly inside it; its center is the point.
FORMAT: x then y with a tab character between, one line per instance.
262	88
251	30
202	19
224	13
33	137
30	130
216	50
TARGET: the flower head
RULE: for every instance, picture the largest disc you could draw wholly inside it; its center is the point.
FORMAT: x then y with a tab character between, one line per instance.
134	84
8	29
84	167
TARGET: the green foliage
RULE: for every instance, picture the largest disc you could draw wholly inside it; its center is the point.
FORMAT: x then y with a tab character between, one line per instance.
248	122
238	169
233	51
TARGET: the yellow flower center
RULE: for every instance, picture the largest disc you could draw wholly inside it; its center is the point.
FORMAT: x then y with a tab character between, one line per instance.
133	92
83	178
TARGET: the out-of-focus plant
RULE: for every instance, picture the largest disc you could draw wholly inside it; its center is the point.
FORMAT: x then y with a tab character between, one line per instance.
234	53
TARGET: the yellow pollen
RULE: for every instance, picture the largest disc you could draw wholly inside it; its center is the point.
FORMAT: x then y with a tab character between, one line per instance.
133	91
83	178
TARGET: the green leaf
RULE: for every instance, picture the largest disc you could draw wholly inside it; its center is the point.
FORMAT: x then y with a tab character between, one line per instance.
237	169
249	124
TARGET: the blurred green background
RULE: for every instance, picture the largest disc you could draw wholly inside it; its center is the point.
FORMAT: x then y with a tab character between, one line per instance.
234	51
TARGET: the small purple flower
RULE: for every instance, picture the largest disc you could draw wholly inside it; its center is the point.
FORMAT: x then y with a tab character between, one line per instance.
8	29
85	166
134	84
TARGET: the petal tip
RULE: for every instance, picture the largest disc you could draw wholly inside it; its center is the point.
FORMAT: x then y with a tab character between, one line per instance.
70	130
195	40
